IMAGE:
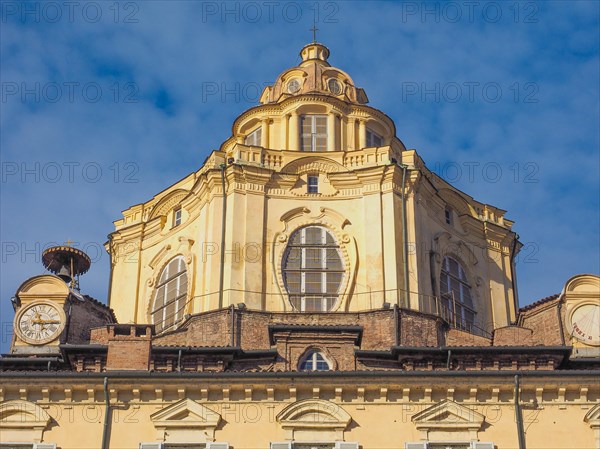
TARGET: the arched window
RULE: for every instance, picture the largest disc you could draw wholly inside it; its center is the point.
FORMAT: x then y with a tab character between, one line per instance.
455	290
314	361
312	269
170	295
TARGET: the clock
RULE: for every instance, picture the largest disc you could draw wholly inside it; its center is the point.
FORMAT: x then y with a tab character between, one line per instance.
585	323
40	323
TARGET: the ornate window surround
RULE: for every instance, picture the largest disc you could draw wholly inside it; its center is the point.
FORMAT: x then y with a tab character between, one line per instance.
309	264
158	264
336	224
465	289
444	246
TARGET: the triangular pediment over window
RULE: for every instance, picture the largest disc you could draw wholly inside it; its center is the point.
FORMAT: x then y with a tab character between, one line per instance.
449	418
185	421
314	420
22	421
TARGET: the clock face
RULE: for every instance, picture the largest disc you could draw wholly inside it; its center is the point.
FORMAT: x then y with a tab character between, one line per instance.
40	323
585	322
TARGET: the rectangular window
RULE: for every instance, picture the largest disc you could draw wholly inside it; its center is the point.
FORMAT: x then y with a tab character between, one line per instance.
373	139
313	133
451	445
254	138
184	445
176	217
313	184
27	446
448	215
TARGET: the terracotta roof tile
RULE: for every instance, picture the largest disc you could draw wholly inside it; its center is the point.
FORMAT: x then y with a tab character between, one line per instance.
539	302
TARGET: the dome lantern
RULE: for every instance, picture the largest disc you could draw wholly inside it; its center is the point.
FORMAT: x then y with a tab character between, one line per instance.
314	52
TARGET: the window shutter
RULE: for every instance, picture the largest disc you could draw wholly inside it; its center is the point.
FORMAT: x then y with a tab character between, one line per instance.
44	446
415	445
475	445
284	445
217	445
151	445
344	445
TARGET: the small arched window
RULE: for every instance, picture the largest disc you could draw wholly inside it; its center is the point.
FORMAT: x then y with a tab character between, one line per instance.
314	361
170	295
312	269
457	303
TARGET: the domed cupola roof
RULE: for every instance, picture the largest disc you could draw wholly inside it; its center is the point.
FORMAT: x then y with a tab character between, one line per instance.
314	75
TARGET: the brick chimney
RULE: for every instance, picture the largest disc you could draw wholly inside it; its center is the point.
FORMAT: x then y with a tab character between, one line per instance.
129	346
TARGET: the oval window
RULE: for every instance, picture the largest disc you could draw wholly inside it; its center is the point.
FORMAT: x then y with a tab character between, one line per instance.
313	269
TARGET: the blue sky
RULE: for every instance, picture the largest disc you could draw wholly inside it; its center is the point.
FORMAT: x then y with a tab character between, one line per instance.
103	106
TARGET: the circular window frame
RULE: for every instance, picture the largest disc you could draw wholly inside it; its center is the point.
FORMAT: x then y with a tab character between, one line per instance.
334	82
293	81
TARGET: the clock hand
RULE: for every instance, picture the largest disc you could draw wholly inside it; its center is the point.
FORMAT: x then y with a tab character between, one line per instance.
40	321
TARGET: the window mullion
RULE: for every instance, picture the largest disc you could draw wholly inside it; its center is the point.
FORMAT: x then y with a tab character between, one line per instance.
164	301
177	299
313	132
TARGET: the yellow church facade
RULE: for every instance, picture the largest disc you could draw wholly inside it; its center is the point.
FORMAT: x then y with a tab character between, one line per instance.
312	285
314	154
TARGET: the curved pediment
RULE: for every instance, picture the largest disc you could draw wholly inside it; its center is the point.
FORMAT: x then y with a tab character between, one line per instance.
457	202
313	164
592	417
168	202
22	421
46	285
312	420
314	413
583	284
21	413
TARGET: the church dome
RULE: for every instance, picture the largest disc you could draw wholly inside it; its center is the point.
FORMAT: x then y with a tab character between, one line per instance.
314	75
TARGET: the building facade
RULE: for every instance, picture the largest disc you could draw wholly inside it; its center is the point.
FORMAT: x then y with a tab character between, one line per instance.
312	285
